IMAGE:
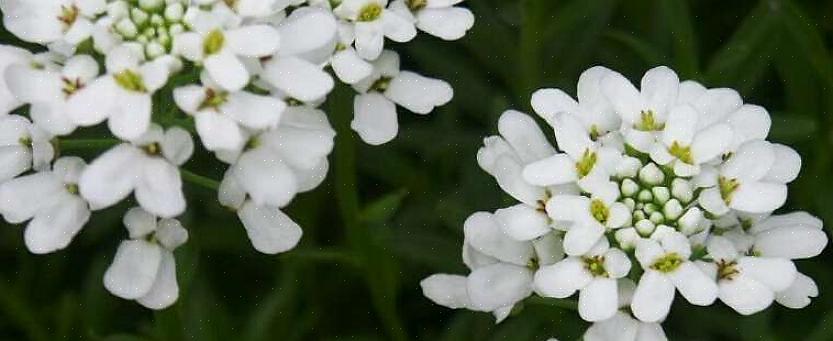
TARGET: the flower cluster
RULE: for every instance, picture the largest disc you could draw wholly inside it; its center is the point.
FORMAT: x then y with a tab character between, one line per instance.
245	76
663	189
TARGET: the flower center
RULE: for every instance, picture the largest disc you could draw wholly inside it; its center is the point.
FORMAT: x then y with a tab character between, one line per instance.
600	211
69	14
252	143
335	3
381	85
668	263
26	141
72	188
130	81
595	265
728	188
727	270
586	164
682	153
213	99
71	86
370	12
648	122
153	149
416	5
214	42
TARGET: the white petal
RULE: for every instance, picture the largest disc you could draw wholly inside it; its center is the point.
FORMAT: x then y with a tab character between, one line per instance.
776	273
549	248
111	177
548	102
446	290
369	40
751	162
267	179
694	285
625	98
524	135
228	71
522	222
159	188
375	119
270	230
177	145
92	104
745	295
721	249
309	33
571	135
659	87
54	226
788	166
10	55
445	23
598	301
681	126
165	290
716	104
139	223
759	197
417	93
219	132
711	143
69	169
29	84
750	122
134	269
189	98
509	175
581	238
171	234
230	194
803	219
300	148
498	285
23	197
647	252
298	78
484	234
620	327
554	170
15	160
653	297
253	40
568	208
617	264
189	45
130	117
799	294
791	242
562	279
52	117
397	28
349	67
712	201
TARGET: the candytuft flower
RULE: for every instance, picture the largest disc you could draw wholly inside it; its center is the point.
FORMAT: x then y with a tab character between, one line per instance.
672	186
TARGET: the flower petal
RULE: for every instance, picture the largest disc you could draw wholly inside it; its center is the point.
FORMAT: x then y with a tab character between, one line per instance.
375	119
134	269
598	301
653	297
446	290
498	285
270	230
165	290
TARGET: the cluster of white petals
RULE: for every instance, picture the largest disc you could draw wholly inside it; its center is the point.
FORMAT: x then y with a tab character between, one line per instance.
245	76
654	190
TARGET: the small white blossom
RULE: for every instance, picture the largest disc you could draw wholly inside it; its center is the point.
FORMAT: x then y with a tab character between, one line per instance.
66	22
144	268
373	23
439	18
23	147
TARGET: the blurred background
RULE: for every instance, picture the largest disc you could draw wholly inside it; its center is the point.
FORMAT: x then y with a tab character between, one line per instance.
389	216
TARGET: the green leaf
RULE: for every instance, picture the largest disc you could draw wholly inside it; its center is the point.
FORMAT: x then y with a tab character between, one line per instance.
383	208
647	52
677	16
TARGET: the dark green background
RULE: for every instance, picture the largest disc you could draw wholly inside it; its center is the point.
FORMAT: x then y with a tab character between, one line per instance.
356	273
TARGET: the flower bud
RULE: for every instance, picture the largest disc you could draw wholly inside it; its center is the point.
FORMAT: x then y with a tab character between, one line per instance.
629	187
174	12
661	194
657	218
681	190
627	238
127	28
672	209
645	196
628	168
645	227
651	175
691	222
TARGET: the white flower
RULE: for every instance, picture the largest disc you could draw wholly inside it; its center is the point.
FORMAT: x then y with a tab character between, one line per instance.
373	22
587	218
751	180
49	90
144	268
221	51
502	268
375	118
622	326
346	62
10	55
52	21
221	117
439	18
643	112
123	96
684	147
665	259
747	283
594	274
50	200
23	146
309	33
146	167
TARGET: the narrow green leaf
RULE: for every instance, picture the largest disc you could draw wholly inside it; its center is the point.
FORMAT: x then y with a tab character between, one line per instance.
677	15
383	208
637	45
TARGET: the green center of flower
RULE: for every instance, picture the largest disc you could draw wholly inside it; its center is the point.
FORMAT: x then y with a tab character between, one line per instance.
416	5
586	164
600	211
71	86
370	12
727	270
381	85
595	265
153	149
668	263
728	188
213	99
681	152
131	81
26	141
69	14
72	189
252	143
648	122
214	42
335	3
594	132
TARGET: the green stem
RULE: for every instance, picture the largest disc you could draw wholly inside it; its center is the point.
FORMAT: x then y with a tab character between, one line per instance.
199	180
359	237
552	302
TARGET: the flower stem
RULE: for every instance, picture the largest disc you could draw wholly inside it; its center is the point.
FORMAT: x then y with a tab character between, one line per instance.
552	302
199	180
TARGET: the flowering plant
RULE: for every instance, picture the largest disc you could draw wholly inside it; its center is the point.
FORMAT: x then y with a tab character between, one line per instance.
246	77
663	189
